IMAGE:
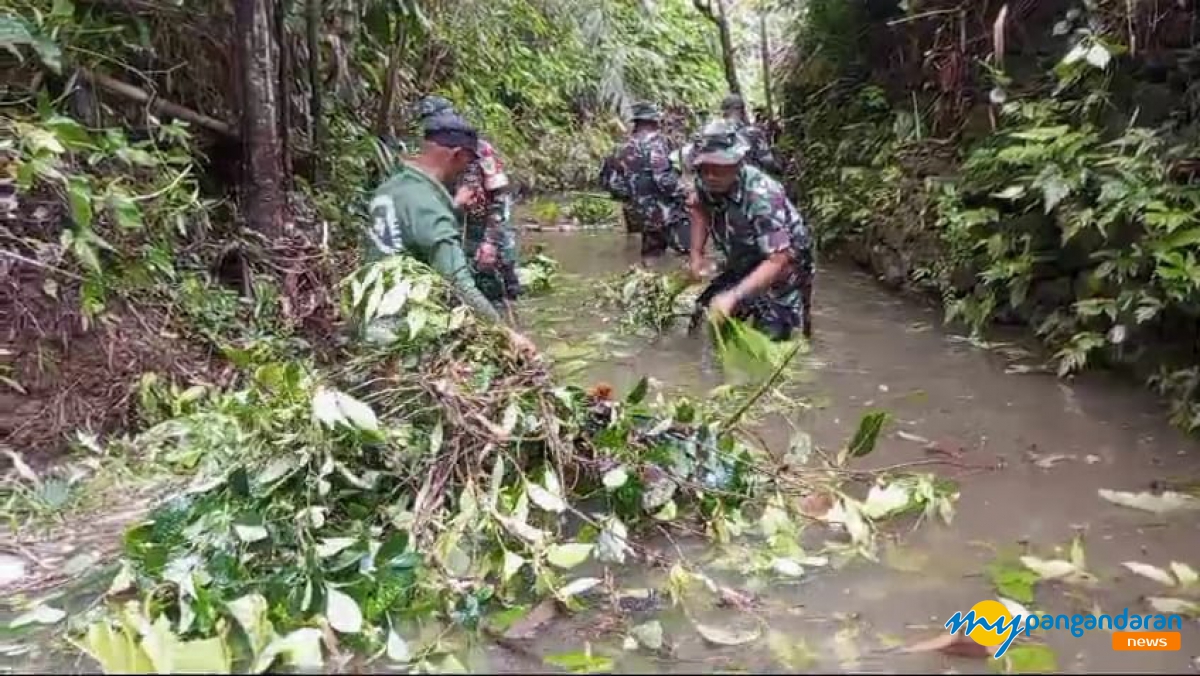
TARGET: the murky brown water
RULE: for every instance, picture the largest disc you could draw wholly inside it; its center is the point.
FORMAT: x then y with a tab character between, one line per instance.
874	349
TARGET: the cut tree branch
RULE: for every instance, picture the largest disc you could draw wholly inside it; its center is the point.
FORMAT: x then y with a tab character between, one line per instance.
157	105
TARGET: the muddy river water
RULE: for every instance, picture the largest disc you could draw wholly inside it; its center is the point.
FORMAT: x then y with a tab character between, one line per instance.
1048	446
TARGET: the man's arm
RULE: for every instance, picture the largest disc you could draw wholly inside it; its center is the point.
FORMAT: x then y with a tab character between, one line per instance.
450	261
699	218
435	231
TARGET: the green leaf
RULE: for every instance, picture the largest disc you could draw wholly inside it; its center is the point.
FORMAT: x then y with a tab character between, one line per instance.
250	611
40	614
727	637
116	650
79	196
1013	580
615	478
568	555
649	635
342	612
639	391
580	662
1028	659
126	212
867	434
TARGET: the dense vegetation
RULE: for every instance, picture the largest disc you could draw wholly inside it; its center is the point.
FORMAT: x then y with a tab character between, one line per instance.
138	156
1033	165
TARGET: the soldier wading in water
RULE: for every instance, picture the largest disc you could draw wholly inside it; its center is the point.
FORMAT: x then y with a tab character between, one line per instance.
767	273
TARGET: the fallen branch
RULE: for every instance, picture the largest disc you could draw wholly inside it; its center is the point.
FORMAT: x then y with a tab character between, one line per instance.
157	105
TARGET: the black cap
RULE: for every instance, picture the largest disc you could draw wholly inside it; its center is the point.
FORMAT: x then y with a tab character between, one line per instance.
733	102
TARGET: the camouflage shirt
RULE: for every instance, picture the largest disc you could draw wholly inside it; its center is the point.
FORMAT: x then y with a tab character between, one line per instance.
487	216
643	163
754	221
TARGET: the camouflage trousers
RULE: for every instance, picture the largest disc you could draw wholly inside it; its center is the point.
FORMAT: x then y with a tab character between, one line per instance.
776	314
501	282
662	225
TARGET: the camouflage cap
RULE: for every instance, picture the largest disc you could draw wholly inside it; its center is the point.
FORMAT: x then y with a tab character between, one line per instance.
646	112
433	105
719	144
733	102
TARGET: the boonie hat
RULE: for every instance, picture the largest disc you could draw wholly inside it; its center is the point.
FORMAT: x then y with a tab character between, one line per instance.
433	105
733	102
646	112
719	144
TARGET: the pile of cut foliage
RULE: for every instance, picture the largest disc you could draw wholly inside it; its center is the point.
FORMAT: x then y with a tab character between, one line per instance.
435	478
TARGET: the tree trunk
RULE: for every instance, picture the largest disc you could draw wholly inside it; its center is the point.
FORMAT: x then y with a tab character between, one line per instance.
766	62
262	186
720	18
727	56
316	117
284	81
390	82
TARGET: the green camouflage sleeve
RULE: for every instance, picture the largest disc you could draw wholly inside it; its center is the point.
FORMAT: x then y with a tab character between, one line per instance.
777	224
660	165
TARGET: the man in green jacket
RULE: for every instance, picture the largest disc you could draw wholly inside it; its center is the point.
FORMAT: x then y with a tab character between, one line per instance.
413	214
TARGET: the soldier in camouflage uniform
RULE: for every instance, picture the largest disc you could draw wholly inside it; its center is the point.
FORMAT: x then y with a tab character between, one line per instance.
481	195
767	273
643	164
758	152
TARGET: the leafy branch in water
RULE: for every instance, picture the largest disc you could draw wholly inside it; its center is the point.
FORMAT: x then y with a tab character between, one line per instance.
650	300
435	478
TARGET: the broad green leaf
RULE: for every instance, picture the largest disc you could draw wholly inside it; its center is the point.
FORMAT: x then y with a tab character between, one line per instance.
543	498
79	196
649	635
1167	501
568	555
331	546
722	636
639	391
342	612
358	413
576	587
867	434
1186	575
300	649
1152	572
615	478
250	611
512	564
40	614
116	650
397	648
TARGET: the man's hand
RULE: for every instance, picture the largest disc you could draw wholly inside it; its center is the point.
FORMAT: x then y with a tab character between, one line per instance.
523	344
464	196
696	267
486	256
723	305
